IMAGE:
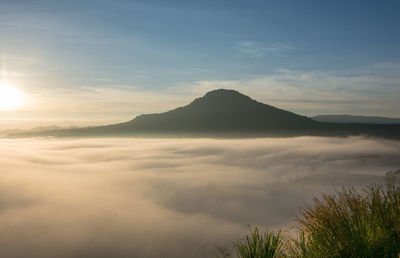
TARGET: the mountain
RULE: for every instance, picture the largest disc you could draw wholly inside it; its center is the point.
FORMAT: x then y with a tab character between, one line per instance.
220	110
356	119
223	113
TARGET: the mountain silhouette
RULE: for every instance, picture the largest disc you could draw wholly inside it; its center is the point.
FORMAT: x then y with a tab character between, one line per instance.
223	112
220	110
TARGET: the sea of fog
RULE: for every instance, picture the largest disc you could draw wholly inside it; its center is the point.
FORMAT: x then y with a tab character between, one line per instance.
168	197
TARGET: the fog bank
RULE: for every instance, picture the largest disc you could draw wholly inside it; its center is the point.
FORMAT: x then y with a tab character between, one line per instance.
168	197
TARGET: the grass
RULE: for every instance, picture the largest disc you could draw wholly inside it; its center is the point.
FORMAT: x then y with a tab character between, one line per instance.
263	245
347	223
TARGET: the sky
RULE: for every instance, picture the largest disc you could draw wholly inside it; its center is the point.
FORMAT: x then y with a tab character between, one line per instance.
112	60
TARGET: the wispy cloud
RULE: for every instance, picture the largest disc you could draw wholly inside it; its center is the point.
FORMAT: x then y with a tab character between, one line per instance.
10	74
257	50
364	91
372	90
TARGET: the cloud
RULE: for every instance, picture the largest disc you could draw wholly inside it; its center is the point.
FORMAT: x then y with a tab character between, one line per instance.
258	50
168	197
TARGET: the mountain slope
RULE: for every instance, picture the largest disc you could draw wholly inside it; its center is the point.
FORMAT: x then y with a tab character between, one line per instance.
355	119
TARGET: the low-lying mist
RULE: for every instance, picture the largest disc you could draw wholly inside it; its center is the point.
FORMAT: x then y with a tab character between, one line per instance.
168	197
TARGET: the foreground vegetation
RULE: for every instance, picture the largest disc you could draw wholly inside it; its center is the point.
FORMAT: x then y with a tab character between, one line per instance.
348	223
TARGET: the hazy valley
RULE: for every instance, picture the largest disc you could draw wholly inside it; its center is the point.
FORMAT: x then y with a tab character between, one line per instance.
168	197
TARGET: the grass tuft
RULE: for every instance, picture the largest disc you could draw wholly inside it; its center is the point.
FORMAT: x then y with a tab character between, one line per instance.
263	245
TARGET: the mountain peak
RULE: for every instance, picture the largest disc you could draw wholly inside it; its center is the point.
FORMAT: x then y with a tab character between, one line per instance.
223	97
224	93
220	92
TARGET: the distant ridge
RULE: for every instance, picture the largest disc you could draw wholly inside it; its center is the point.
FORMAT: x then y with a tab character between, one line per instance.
356	119
222	113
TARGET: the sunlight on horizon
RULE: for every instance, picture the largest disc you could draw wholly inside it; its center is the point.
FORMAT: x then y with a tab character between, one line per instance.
11	98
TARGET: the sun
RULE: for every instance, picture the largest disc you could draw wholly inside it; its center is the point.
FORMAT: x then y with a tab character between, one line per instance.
10	97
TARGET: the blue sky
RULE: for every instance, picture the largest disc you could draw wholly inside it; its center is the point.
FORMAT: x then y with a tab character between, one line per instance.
293	54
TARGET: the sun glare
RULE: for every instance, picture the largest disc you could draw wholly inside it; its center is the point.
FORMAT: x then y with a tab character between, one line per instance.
10	97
